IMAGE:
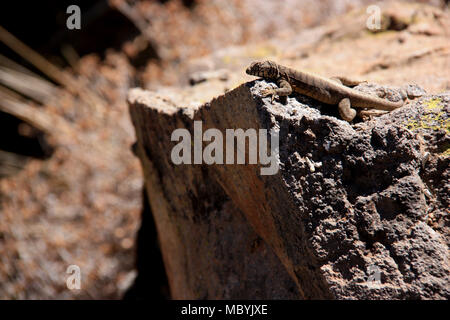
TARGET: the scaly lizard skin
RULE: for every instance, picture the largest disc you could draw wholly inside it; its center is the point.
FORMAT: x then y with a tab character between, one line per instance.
330	91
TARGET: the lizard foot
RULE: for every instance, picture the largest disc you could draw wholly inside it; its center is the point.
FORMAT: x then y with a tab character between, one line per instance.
346	111
269	92
369	114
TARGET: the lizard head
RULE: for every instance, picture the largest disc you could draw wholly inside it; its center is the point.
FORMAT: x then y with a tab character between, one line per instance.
264	69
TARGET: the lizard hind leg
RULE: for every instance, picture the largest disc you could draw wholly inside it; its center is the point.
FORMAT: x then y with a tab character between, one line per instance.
348	82
336	79
346	111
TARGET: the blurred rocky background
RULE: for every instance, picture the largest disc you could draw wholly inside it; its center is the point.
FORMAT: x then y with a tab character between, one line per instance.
70	186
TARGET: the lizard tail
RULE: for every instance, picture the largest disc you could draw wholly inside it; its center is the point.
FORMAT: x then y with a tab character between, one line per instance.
371	102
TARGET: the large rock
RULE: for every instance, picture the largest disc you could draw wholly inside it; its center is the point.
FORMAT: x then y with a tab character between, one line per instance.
354	212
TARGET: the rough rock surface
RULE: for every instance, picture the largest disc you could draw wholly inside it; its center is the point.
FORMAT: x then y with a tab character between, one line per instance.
348	204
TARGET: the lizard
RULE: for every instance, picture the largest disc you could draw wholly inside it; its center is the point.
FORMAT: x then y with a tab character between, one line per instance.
330	91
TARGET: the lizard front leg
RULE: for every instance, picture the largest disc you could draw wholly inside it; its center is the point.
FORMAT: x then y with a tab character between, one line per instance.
284	89
345	110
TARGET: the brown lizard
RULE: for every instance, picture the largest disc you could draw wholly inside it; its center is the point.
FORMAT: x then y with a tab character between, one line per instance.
330	91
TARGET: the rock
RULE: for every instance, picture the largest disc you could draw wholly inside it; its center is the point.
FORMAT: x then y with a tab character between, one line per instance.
414	91
354	211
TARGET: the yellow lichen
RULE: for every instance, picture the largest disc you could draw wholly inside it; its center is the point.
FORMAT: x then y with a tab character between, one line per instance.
435	117
446	152
433	104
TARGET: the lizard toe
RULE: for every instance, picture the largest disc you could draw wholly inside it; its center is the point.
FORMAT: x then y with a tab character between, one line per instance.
269	92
